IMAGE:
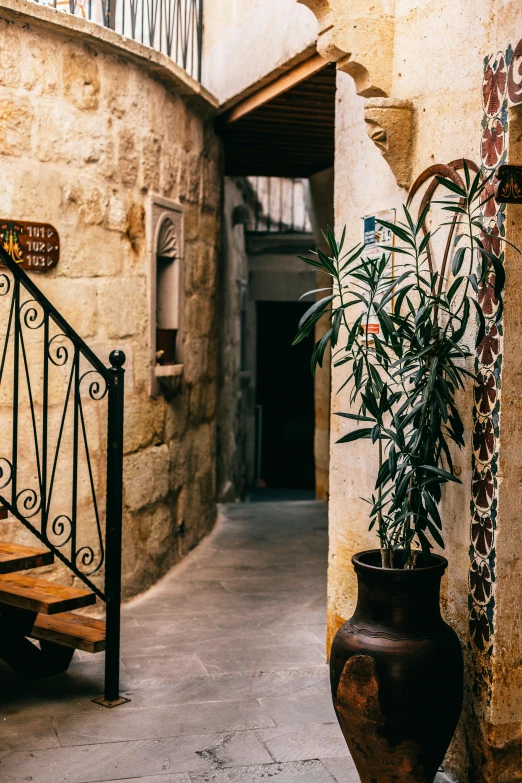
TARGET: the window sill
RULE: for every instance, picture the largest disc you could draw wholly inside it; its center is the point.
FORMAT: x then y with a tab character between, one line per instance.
169	378
168	370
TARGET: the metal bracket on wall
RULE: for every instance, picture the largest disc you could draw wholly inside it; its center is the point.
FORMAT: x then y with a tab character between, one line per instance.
509	188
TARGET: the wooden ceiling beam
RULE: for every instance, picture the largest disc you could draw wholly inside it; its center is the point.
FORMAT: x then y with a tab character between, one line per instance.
276	88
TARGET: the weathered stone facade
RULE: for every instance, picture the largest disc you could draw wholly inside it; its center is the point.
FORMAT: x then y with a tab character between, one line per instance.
90	127
441	82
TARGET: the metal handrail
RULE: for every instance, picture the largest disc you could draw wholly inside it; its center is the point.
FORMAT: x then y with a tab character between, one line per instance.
173	27
28	315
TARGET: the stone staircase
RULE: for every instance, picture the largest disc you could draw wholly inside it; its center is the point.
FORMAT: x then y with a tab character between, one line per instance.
33	608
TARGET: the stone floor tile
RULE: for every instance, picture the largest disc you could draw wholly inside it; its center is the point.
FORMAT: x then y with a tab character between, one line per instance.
342	770
21	733
290	709
295	772
150	671
288	583
121	760
182	778
318	630
102	725
262	631
308	741
256	658
231	687
171	639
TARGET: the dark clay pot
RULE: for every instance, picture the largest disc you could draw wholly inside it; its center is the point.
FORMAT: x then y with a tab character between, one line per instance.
397	673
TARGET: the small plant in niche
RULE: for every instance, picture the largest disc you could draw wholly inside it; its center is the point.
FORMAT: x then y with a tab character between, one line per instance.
404	379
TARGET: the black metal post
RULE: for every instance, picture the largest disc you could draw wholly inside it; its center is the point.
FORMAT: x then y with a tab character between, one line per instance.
111	14
113	544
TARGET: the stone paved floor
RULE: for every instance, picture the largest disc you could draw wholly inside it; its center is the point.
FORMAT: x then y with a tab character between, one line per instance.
223	660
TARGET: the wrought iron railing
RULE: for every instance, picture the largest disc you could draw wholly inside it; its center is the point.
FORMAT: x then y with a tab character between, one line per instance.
61	443
174	27
280	205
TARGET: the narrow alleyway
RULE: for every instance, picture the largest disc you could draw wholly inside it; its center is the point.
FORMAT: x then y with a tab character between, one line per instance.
223	660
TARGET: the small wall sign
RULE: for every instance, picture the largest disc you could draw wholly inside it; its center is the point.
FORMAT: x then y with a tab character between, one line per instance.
35	246
509	188
377	238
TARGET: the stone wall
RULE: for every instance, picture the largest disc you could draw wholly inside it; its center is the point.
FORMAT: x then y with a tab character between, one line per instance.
234	387
439	79
90	126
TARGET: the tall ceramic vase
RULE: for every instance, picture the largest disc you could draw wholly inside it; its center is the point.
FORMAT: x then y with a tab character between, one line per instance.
397	673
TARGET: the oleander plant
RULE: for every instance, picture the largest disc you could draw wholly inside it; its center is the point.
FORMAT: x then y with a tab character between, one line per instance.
403	374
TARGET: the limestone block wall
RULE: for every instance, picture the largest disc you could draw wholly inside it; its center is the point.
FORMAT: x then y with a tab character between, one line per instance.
234	387
89	127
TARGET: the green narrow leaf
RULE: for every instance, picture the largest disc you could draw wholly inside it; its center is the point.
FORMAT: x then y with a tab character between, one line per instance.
458	259
392	461
320	347
364	432
398	231
447	183
354	416
321	305
482	323
441	472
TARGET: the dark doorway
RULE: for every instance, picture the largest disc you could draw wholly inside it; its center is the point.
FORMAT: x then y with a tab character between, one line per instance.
285	391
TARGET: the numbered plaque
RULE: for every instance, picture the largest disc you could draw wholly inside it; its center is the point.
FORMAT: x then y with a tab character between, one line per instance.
35	246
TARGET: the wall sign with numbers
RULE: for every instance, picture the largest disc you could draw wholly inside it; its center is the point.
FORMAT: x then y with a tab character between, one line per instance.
35	246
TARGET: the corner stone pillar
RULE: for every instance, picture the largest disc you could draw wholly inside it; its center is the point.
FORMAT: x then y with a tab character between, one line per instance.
322	214
496	573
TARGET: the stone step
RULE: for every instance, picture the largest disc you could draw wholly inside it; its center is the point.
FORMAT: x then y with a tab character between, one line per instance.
71	630
14	557
38	595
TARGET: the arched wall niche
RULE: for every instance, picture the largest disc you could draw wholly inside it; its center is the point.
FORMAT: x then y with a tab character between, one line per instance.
167	289
166	295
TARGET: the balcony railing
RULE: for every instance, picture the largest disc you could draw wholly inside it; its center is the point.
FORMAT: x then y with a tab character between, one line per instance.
173	27
280	205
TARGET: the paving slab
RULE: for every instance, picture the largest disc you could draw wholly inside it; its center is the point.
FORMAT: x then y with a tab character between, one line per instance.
232	687
183	778
297	772
257	658
307	741
150	723
291	709
224	663
342	770
134	759
26	734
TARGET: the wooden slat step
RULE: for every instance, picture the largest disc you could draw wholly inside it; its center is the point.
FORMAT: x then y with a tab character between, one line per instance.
71	630
14	557
38	595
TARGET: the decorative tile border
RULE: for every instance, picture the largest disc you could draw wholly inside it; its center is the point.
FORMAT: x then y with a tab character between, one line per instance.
501	88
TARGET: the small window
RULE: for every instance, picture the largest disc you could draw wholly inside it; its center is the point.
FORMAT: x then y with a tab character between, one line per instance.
167	294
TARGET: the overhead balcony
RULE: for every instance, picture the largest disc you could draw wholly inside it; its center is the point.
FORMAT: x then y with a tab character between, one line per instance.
171	27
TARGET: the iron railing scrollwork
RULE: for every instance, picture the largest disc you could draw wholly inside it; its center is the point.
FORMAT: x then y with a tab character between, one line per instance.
56	396
173	27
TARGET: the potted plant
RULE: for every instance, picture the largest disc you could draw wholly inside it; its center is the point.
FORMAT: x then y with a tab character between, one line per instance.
396	666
